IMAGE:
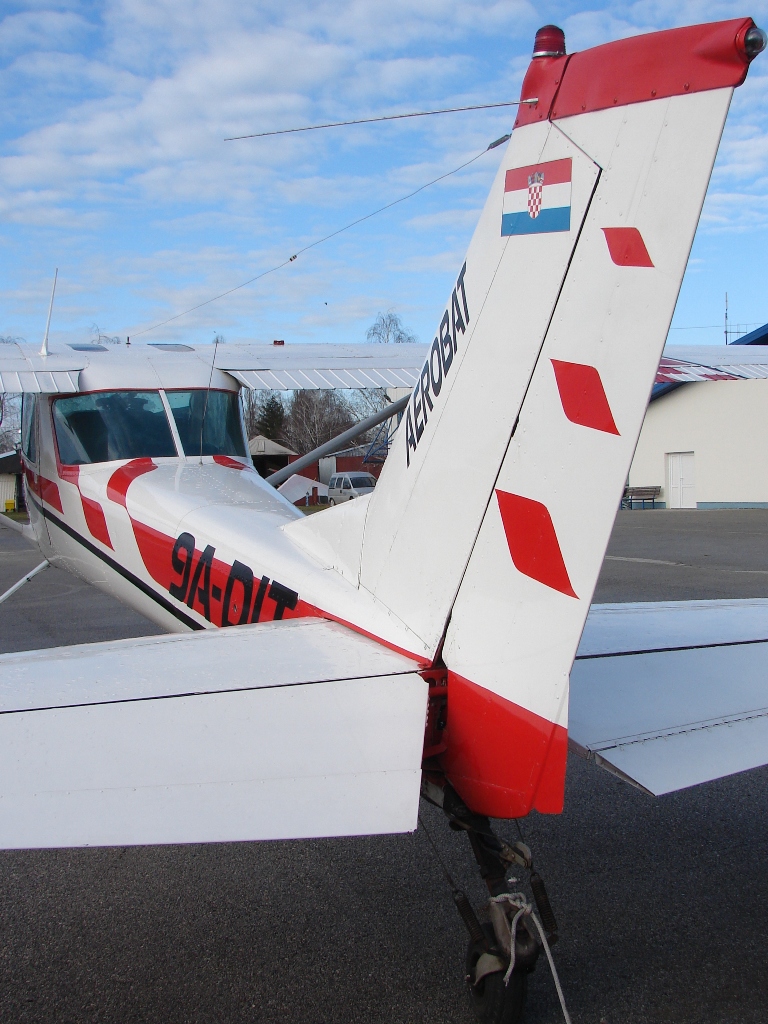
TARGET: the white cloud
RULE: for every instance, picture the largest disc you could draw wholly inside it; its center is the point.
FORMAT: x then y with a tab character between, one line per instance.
117	163
41	29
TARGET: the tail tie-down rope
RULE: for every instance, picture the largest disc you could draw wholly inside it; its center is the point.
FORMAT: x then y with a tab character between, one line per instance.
518	902
515	900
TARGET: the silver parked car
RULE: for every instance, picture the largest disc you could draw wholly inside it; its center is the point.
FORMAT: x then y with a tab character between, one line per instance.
345	486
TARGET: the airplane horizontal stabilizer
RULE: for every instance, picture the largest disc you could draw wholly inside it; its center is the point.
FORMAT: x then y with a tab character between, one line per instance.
281	730
672	694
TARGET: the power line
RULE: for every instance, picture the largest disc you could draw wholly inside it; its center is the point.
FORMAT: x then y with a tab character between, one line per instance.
319	241
387	117
709	327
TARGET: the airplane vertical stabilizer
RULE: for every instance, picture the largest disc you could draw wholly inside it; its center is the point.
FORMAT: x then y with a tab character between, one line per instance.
489	525
487	530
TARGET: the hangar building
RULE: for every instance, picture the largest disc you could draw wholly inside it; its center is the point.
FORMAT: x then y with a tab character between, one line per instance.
704	443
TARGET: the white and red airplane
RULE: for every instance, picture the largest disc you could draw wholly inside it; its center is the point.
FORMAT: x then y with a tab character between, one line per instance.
413	640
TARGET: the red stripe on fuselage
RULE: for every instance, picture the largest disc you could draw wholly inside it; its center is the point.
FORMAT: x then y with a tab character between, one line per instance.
43	488
95	519
71	474
503	760
122	478
224	460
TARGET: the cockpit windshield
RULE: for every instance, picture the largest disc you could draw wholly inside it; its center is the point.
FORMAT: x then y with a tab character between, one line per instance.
112	425
208	422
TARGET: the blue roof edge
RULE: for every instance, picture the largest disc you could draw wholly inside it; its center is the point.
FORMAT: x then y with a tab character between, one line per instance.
756	337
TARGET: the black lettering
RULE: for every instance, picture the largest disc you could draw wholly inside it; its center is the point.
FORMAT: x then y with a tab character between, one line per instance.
202	593
216	592
460	284
283	598
425	399
264	582
446	342
186	543
410	439
416	412
437	382
457	322
242	574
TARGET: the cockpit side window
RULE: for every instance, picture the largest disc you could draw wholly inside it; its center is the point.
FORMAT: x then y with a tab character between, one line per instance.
112	425
28	427
208	422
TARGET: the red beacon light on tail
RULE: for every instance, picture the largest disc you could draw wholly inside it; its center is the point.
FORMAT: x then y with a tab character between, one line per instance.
550	42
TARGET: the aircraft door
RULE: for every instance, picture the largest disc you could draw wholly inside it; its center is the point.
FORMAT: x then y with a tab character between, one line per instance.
30	453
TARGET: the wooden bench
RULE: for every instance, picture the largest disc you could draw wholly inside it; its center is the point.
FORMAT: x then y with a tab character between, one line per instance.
642	494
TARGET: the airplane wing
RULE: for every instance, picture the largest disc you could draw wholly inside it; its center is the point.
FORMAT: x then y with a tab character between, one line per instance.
318	367
281	730
289	367
671	694
687	363
24	370
259	367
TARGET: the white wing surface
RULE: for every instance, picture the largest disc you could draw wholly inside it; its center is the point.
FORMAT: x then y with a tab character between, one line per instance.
282	730
23	369
260	367
672	694
313	367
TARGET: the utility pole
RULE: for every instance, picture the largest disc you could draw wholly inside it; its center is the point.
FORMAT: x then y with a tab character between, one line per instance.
726	318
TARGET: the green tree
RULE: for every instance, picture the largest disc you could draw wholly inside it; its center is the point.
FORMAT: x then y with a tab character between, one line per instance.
270	421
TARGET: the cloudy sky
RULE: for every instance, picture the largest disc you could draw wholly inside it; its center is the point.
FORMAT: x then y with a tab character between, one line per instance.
114	167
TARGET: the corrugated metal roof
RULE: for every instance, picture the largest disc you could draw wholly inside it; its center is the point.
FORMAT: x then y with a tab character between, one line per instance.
684	364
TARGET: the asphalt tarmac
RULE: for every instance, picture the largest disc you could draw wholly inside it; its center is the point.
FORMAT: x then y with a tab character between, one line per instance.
661	902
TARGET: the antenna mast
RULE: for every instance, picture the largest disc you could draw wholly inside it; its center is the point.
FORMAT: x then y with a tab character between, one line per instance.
44	349
726	318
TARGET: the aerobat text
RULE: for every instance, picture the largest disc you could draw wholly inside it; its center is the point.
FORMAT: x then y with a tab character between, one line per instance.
437	366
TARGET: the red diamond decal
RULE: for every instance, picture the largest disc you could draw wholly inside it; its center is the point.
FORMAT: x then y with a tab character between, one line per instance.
533	542
583	396
627	247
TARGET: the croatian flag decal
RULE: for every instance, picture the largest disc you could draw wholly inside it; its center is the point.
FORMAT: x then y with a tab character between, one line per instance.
537	199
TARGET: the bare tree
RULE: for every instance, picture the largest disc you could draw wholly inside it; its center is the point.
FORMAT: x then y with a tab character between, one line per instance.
388	329
315	417
366	403
99	338
10	421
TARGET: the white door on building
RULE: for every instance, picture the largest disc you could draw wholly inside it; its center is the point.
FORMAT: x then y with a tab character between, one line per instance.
681	486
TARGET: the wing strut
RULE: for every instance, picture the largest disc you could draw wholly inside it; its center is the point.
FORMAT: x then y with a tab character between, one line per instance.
337	443
24	579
